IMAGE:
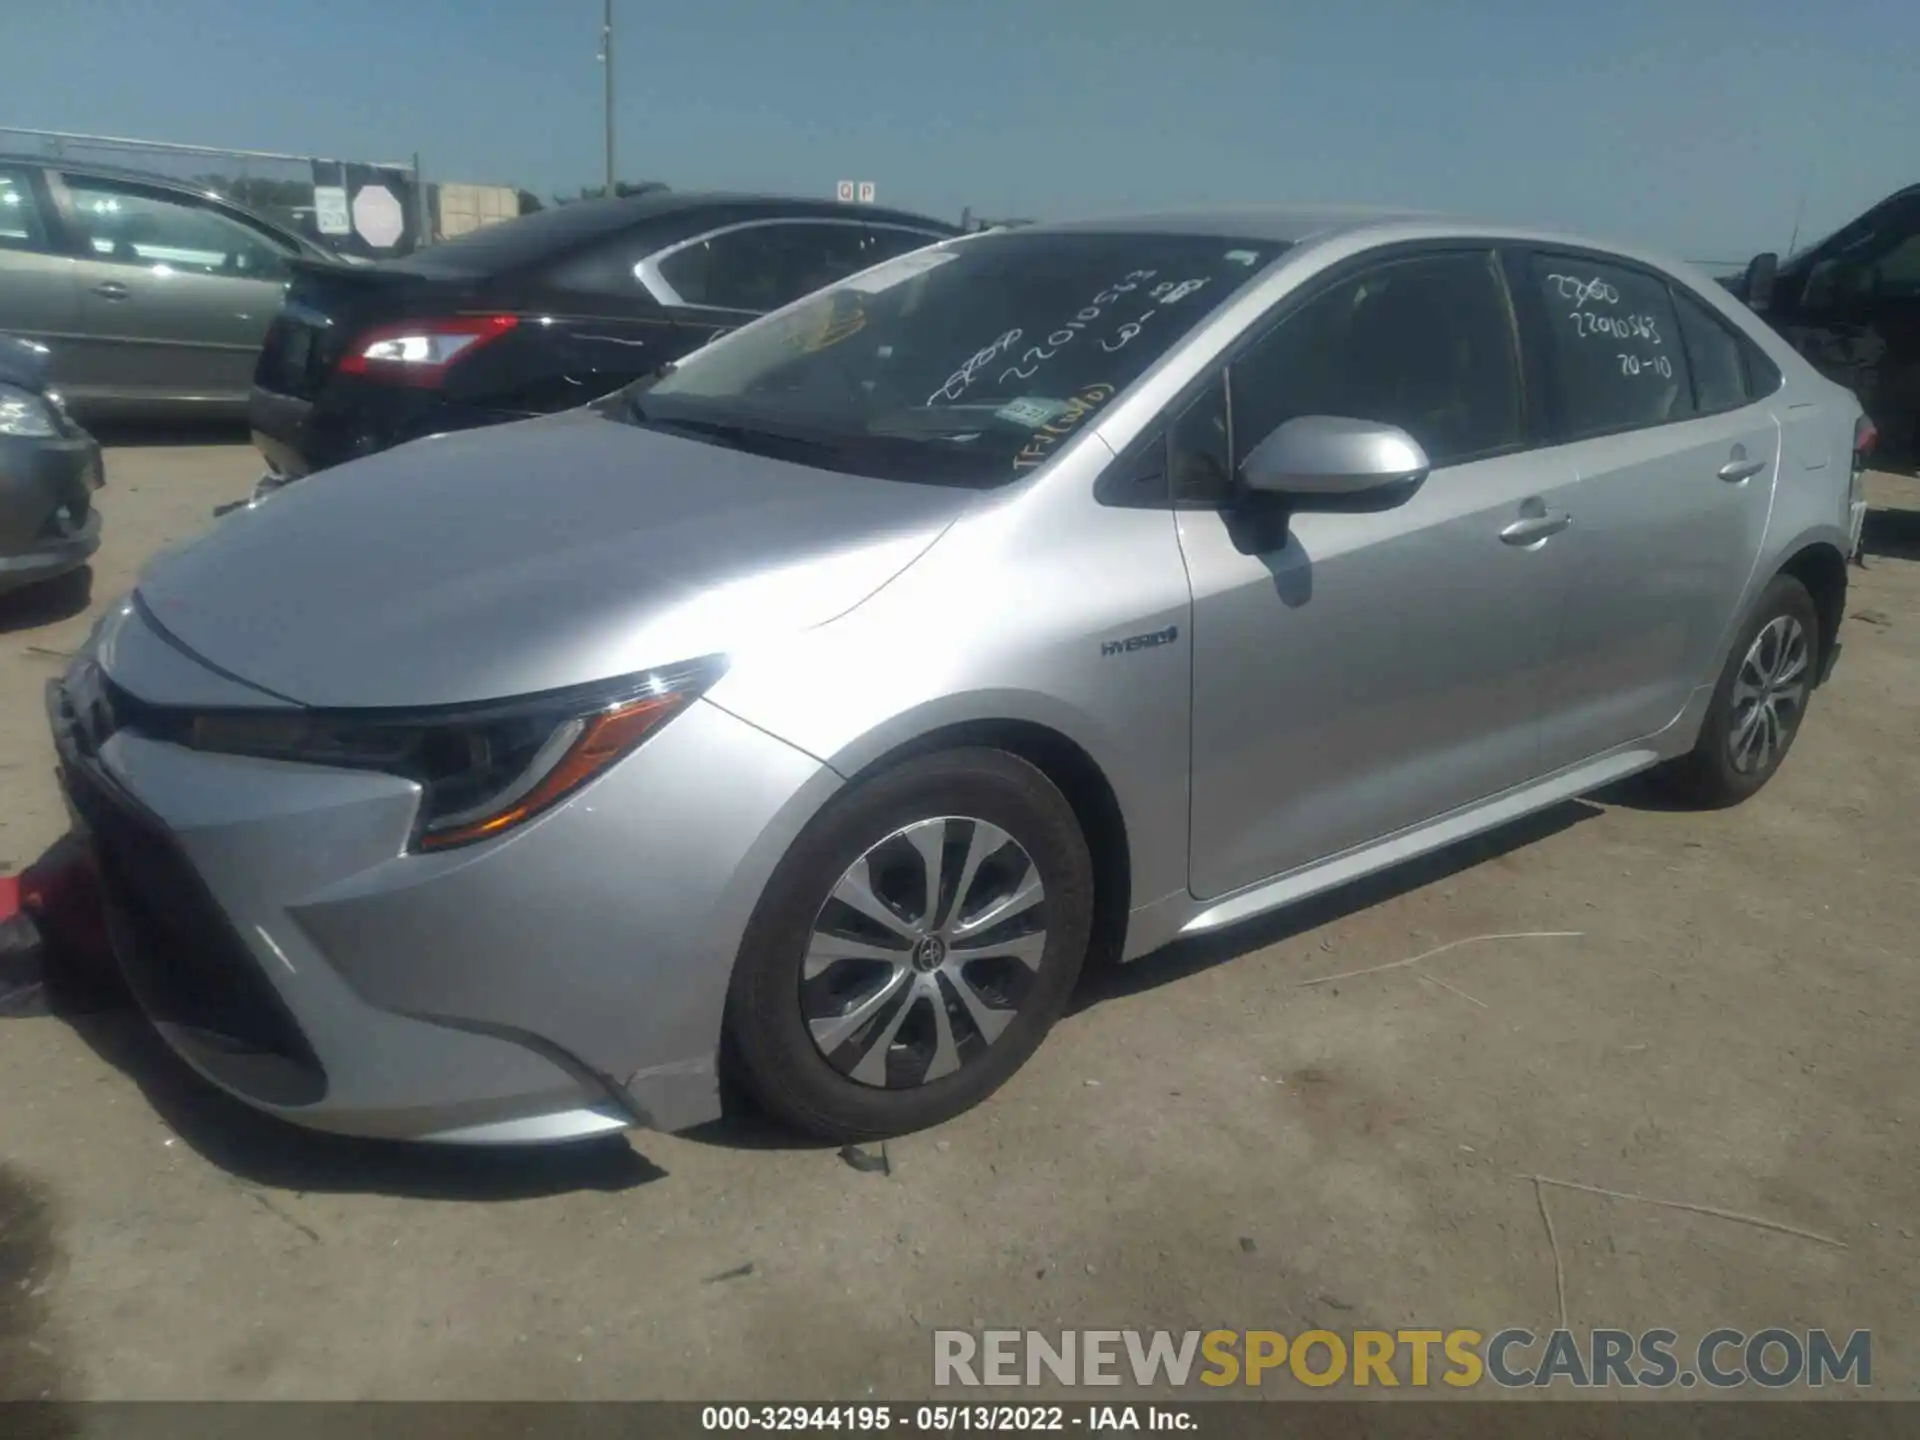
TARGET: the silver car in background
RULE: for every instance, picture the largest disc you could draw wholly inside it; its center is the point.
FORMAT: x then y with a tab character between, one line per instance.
152	294
824	701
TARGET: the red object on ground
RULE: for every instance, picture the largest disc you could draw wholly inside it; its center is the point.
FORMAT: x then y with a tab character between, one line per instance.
10	905
61	893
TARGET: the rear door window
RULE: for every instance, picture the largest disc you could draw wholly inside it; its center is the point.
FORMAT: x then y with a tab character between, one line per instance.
22	227
1613	346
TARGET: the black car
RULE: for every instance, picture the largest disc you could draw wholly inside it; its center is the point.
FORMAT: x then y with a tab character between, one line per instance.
540	314
1851	305
49	469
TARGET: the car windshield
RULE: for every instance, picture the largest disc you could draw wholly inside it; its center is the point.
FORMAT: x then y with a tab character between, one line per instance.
969	362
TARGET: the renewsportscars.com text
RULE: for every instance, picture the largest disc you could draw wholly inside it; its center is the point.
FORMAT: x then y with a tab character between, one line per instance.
1511	1359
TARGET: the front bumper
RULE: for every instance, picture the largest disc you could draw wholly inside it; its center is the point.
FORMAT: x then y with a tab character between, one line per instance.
565	980
48	525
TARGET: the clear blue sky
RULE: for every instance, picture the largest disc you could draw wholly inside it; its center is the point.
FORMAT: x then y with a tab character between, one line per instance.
1694	125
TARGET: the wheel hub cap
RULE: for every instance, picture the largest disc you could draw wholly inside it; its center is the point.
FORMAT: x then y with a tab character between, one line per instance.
923	952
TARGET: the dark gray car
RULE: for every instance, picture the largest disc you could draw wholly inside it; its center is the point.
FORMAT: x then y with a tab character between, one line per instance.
153	295
49	469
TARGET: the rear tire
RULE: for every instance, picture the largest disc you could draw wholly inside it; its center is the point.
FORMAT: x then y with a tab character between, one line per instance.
913	948
1758	704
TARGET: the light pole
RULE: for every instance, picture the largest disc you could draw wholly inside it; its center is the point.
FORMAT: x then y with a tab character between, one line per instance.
606	58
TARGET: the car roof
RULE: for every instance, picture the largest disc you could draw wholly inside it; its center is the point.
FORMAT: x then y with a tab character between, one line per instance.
67	164
1296	226
654	219
663	203
1902	196
1286	224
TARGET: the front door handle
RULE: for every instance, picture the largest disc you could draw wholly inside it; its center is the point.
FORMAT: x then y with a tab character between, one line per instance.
110	290
1734	471
1530	529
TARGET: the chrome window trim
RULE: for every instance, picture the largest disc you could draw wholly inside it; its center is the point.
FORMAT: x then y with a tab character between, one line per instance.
647	271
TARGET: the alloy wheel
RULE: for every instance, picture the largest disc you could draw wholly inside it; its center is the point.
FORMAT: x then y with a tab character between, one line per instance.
1769	695
923	952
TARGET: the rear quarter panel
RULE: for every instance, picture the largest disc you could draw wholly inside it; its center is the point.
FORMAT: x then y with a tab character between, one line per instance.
1812	493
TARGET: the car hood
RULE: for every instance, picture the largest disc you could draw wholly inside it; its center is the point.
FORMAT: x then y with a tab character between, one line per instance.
530	556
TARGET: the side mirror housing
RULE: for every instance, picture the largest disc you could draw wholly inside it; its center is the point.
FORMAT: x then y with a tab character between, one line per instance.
1757	286
1334	457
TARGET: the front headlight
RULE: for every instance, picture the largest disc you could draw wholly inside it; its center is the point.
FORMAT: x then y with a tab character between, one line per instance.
482	770
24	413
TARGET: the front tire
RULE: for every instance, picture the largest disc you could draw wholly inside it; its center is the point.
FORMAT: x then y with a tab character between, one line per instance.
1759	703
913	948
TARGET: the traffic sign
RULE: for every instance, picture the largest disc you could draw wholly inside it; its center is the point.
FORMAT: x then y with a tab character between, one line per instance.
844	191
866	192
330	215
376	215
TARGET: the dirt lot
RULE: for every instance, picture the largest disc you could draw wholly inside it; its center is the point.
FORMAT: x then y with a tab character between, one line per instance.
1206	1141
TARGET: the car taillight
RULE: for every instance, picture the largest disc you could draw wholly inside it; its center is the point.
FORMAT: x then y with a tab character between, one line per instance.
1865	437
418	352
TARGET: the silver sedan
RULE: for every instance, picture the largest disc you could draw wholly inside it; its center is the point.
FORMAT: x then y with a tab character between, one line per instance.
825	700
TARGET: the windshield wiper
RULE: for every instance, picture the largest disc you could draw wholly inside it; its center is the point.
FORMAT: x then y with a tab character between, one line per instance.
777	444
923	422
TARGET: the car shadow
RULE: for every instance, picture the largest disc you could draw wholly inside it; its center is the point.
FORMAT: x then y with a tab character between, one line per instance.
1105	980
744	1126
47	603
1891	534
168	433
1643	791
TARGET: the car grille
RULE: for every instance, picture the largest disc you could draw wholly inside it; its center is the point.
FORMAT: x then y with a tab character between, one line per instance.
183	960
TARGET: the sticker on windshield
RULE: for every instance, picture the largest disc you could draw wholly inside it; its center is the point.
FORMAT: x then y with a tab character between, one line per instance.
1244	257
1030	411
898	271
839	322
1038	449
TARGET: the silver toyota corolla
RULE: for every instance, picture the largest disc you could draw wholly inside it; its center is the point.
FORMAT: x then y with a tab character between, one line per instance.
823	701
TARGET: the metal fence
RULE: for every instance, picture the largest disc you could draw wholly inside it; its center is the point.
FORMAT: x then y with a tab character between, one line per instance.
319	197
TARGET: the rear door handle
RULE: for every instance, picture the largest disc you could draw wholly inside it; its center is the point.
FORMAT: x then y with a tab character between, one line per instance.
110	290
1530	529
1734	471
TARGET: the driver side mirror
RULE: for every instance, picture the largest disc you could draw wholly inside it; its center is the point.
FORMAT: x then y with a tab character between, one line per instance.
1330	457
